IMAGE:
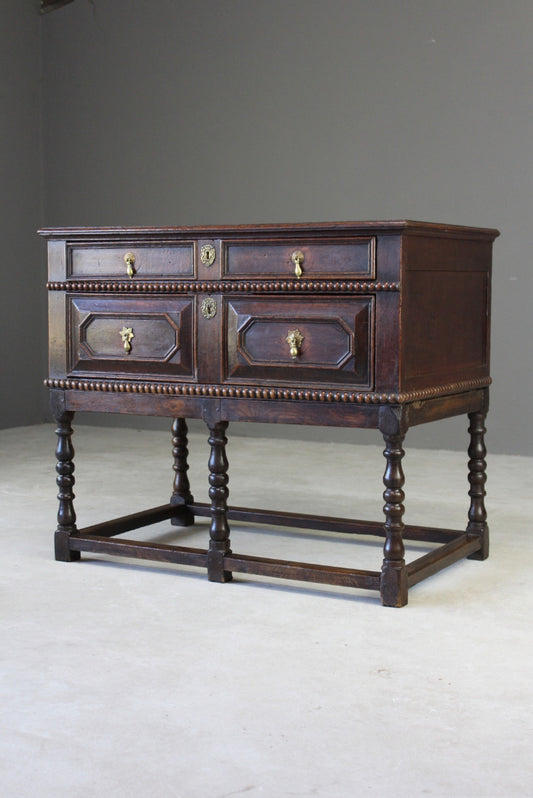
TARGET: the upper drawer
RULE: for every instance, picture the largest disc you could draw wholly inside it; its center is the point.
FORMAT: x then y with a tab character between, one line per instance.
327	258
130	262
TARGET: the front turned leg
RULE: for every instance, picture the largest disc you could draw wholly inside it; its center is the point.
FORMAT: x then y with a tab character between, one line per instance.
219	544
181	491
66	517
477	465
393	572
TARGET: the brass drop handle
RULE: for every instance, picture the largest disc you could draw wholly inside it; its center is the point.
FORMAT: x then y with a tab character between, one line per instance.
129	260
297	258
294	339
127	335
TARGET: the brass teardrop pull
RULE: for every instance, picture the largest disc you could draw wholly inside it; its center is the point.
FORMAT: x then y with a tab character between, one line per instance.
294	339
298	258
129	260
127	335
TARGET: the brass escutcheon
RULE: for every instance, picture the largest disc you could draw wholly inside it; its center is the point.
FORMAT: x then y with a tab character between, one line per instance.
129	260
127	335
209	307
208	254
294	339
298	258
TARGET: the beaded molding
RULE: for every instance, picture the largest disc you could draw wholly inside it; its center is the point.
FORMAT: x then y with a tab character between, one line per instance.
299	394
221	286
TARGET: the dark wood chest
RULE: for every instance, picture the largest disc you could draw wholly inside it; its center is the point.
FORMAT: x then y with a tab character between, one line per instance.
380	325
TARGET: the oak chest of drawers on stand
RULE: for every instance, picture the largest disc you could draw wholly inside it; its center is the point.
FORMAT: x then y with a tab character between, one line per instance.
376	324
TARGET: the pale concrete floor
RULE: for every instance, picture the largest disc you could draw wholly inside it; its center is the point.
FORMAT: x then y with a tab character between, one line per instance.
136	680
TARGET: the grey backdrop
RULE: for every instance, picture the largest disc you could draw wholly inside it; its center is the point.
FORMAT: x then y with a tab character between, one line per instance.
214	111
22	272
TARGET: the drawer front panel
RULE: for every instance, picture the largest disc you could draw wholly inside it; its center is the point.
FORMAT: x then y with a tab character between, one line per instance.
143	262
132	338
269	340
344	258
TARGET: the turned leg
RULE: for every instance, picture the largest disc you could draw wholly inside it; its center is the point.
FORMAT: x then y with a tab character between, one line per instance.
393	572
181	491
219	544
66	517
477	465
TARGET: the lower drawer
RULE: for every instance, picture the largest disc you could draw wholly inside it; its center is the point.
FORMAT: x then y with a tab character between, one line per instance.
319	341
128	337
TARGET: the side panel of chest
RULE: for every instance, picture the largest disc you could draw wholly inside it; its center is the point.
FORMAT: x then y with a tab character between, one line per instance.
445	312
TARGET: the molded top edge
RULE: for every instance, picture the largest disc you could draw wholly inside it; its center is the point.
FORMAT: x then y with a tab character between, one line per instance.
216	231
